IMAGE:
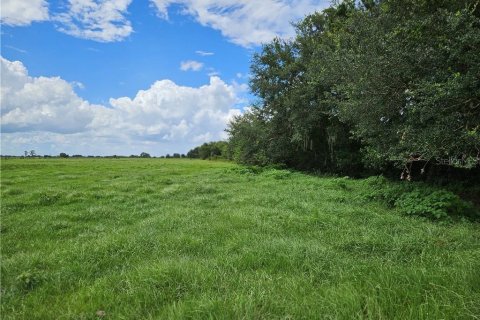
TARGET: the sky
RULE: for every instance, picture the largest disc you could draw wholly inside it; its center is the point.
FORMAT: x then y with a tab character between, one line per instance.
121	77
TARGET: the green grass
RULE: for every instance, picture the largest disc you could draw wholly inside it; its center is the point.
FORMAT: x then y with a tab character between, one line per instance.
161	239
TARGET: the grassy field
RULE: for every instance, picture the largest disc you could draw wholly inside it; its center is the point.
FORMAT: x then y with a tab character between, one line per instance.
161	239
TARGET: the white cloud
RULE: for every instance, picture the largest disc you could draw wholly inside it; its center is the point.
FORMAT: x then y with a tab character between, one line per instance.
191	65
212	72
97	20
77	84
171	112
23	12
46	115
204	53
40	103
246	22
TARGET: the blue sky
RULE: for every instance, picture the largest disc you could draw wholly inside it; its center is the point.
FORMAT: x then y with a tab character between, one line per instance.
126	76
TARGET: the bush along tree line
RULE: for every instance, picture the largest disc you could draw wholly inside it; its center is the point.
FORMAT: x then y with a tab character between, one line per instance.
372	86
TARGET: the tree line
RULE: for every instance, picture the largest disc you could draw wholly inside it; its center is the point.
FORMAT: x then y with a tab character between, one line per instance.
33	154
369	84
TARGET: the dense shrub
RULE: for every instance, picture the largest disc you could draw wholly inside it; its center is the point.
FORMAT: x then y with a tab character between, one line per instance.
440	204
419	199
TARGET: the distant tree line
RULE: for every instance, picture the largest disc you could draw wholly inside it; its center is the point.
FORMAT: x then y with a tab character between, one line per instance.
33	154
210	150
369	84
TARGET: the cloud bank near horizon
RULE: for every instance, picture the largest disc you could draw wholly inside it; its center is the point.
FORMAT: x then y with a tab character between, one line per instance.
45	114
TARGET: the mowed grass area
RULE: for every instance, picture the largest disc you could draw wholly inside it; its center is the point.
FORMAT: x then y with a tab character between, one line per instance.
175	239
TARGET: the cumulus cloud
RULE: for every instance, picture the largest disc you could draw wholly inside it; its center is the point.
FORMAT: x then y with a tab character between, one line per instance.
23	12
246	22
191	65
40	103
98	20
167	111
46	113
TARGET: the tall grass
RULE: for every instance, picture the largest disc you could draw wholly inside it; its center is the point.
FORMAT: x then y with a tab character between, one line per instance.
158	239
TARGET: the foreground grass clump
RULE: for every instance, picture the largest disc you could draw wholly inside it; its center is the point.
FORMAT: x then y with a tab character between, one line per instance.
157	239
